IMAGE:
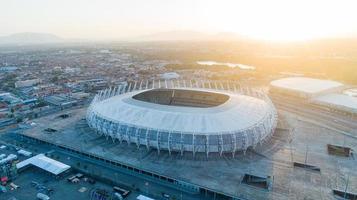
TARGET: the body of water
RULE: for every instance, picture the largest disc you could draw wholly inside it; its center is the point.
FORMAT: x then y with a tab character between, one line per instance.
241	66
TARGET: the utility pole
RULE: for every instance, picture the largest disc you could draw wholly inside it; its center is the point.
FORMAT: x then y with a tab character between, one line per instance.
348	179
147	187
307	149
290	144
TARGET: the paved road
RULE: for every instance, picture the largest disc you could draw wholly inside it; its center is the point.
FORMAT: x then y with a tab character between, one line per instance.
329	119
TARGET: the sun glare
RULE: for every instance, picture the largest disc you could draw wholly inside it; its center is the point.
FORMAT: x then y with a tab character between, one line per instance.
279	20
284	20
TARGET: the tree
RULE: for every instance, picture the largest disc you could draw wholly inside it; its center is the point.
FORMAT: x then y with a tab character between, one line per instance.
54	79
19	119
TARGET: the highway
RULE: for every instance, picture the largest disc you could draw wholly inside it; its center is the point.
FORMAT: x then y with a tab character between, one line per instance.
327	118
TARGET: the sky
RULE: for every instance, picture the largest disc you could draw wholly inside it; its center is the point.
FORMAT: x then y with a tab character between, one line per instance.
115	19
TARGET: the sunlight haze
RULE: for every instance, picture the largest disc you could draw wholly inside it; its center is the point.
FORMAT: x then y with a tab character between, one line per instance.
178	99
119	19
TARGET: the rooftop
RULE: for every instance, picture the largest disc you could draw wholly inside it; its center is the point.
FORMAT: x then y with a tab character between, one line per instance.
45	163
59	100
239	112
306	85
342	101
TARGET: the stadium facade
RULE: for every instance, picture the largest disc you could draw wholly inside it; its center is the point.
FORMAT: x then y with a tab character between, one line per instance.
184	116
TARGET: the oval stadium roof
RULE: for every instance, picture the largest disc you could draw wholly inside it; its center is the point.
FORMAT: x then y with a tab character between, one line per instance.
238	113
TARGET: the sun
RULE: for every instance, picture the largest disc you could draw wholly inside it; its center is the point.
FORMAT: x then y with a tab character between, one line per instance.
282	20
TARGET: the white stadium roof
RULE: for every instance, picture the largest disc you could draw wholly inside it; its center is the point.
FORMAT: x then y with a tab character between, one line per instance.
45	163
240	112
306	85
338	100
188	118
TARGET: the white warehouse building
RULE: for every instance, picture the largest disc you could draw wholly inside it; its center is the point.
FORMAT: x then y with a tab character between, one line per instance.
325	93
305	87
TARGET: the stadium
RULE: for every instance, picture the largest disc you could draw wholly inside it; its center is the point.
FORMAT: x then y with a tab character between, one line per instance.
184	116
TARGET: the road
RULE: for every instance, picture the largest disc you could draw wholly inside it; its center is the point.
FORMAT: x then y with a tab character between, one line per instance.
328	119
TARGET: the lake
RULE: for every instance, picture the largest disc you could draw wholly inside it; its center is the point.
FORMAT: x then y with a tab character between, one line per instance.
241	66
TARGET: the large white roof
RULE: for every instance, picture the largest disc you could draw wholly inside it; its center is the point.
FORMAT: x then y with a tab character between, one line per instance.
238	113
339	100
305	85
45	163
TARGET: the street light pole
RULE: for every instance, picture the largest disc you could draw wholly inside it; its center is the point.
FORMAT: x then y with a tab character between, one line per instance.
147	187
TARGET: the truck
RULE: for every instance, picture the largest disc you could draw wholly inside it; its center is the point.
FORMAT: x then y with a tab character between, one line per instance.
123	192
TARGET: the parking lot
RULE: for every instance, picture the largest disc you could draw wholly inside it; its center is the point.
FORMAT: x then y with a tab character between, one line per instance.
32	180
105	177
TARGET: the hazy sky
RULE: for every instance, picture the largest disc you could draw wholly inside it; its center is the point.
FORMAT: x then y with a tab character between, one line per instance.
111	19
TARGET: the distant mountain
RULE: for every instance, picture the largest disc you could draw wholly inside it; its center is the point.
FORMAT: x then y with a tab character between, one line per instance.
46	38
187	35
29	38
229	36
172	35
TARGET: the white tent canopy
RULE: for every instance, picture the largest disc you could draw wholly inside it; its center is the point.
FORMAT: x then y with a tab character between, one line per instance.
45	163
142	197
